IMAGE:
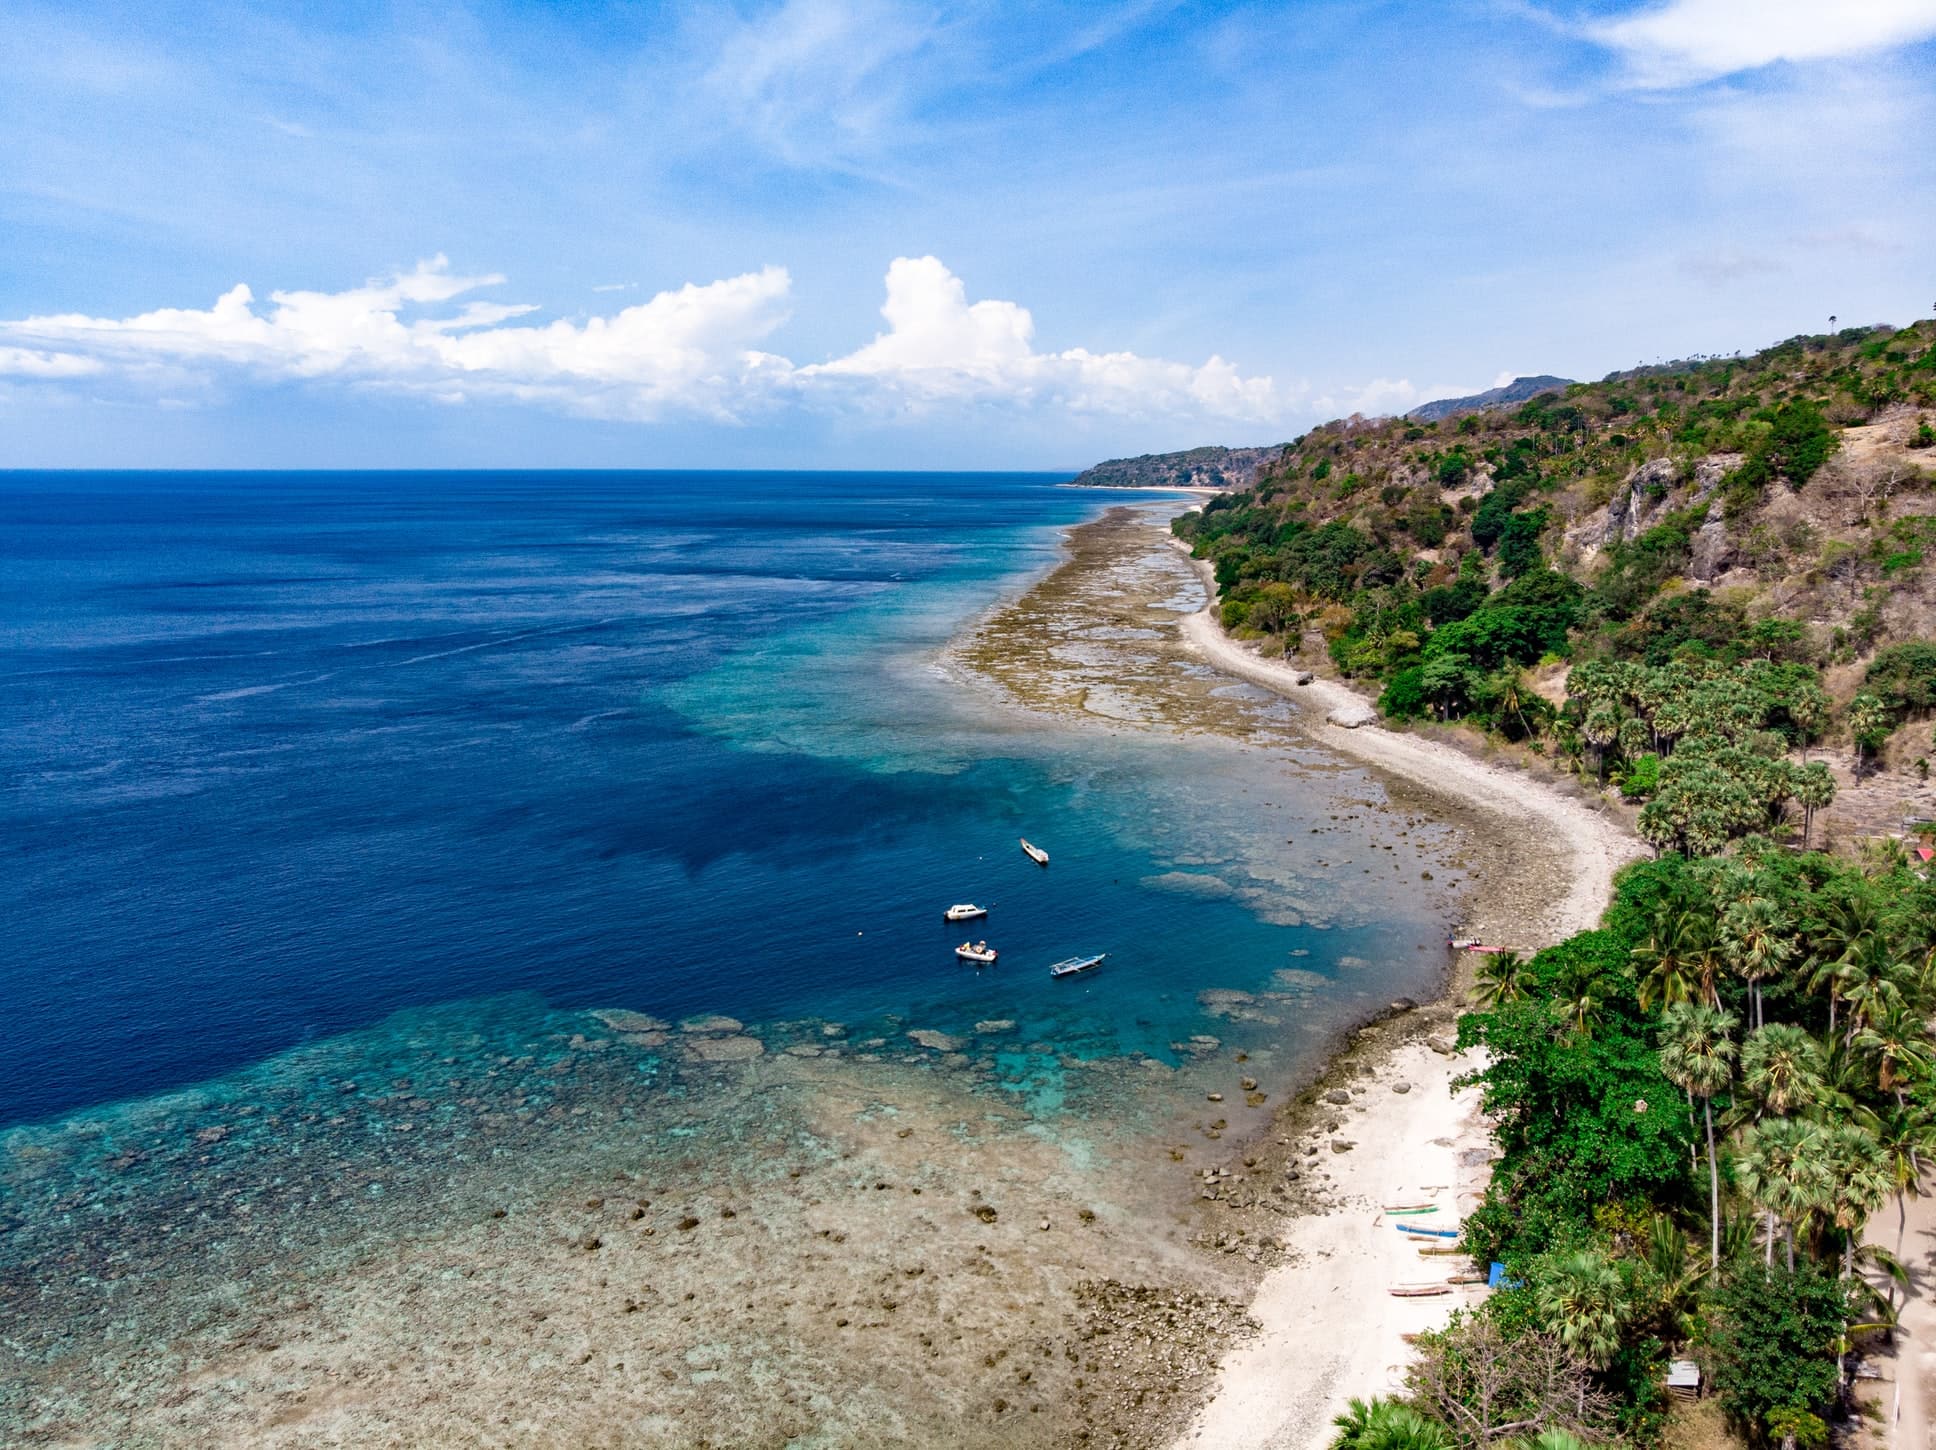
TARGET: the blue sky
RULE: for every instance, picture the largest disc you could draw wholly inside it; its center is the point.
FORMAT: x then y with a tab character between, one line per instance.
857	233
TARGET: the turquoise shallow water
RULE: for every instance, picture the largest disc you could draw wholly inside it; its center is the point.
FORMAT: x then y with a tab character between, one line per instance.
332	803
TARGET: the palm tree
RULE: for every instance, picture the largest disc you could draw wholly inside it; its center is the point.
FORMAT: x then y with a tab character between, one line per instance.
1859	1178
1697	1055
1784	1169
1904	1134
1849	925
1781	1068
1666	960
1815	789
1756	937
1898	1038
1584	1301
1387	1425
1600	729
1501	978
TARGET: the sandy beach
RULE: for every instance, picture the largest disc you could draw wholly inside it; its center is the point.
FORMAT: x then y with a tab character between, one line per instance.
1330	1327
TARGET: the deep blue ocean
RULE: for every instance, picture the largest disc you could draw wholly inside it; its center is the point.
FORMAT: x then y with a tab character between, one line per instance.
284	754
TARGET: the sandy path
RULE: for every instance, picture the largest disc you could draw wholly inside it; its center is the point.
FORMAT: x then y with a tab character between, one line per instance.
1330	1327
1905	1404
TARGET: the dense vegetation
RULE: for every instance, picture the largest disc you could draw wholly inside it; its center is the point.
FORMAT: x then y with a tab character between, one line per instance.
1435	562
1700	1106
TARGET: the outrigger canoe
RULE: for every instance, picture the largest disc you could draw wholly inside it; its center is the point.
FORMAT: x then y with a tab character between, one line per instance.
1437	1233
1419	1291
1411	1208
1073	965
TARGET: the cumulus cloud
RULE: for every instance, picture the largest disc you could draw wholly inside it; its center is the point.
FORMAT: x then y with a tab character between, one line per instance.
1685	42
695	351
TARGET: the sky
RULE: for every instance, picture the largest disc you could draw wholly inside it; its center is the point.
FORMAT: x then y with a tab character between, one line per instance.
867	234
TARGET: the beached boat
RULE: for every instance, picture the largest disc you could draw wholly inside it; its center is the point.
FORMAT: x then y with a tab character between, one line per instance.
1435	1251
1437	1233
1072	966
1034	852
1411	1207
978	952
1419	1291
965	911
1467	1279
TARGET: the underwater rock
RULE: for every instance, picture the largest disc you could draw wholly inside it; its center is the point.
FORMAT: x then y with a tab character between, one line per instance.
805	1049
711	1022
623	1019
726	1049
992	1025
939	1041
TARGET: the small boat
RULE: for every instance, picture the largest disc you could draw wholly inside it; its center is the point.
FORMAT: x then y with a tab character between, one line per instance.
978	952
965	911
1034	852
1464	943
1419	1291
1467	1279
1419	1207
1433	1251
1070	966
1437	1233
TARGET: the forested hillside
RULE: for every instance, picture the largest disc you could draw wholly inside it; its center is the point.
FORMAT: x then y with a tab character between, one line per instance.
1679	578
1683	582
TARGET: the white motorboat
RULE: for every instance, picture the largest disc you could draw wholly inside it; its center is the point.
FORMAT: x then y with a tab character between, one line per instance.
1034	852
978	952
964	911
1075	965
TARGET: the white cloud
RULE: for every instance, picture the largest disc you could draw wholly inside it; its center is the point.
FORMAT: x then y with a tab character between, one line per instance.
695	351
1685	42
941	348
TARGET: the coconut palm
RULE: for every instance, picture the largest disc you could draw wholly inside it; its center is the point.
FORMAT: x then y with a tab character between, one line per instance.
1783	1168
1897	1038
1500	979
1905	1134
1849	925
1666	960
1584	1301
1781	1070
1697	1055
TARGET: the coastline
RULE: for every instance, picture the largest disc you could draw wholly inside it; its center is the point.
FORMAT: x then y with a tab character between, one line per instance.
1330	1328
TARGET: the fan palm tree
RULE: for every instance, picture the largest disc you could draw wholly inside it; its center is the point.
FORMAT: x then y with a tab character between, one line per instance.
1387	1425
1600	729
1500	979
1584	1301
1784	1169
1697	1055
1859	1181
1781	1068
1758	940
1814	789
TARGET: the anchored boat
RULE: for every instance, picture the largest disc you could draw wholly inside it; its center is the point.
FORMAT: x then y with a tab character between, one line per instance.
1034	852
978	952
964	911
1072	966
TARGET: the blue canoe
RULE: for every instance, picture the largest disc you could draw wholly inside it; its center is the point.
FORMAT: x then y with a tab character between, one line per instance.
1437	1233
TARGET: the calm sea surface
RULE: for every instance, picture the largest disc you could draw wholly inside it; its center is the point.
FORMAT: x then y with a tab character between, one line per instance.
283	755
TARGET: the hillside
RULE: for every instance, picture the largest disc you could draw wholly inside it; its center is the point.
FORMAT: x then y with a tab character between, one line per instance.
1519	390
1193	468
1741	540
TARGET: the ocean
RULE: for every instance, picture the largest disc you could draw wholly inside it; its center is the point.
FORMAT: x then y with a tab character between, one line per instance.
286	753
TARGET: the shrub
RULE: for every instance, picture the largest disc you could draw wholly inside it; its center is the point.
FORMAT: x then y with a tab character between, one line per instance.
1773	1339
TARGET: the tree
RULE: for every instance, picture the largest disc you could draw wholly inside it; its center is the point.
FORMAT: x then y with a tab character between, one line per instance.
1667	958
1815	789
1783	1167
1897	1038
1781	1068
1773	1340
1501	978
1600	729
1697	1055
1756	935
1387	1425
1869	726
1904	1134
1491	1386
1583	1299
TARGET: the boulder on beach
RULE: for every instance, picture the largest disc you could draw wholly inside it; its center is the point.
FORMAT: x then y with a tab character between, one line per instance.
1350	714
726	1049
711	1022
